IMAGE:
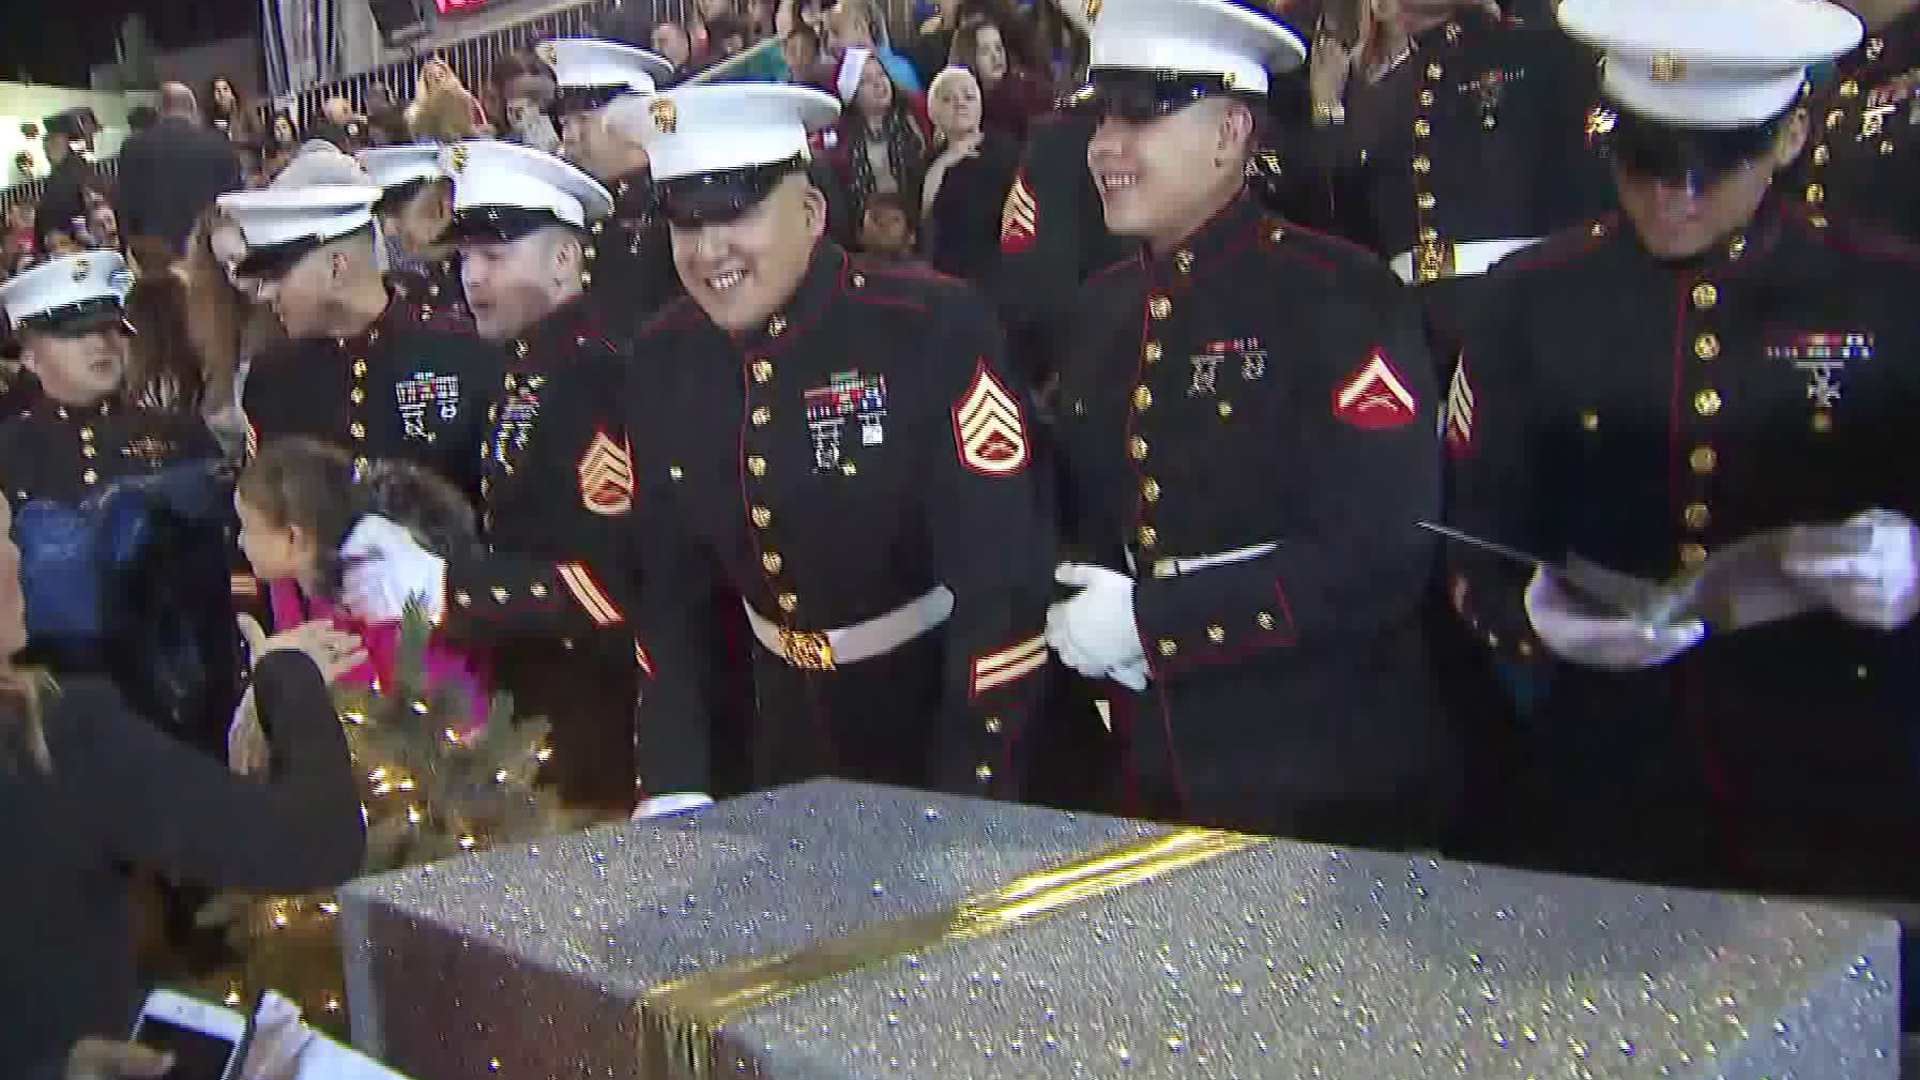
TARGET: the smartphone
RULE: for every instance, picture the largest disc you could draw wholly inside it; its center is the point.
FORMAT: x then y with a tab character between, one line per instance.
206	1041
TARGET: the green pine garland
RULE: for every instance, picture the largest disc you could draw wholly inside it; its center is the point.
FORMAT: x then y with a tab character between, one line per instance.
427	794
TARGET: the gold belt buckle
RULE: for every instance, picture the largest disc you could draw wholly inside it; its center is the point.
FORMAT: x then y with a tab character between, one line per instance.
1433	260
808	651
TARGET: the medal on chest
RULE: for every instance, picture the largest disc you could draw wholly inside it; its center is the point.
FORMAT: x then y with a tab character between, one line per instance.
1243	353
148	450
848	398
426	394
1822	359
515	419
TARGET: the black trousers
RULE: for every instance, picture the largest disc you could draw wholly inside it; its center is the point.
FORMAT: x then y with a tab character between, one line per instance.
876	720
590	701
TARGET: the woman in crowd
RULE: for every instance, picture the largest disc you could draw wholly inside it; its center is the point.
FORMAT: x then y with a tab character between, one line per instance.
107	788
519	91
281	144
224	324
1012	80
967	181
439	89
880	142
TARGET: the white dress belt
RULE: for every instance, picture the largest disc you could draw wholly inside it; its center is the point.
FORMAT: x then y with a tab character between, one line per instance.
1470	257
1166	568
823	650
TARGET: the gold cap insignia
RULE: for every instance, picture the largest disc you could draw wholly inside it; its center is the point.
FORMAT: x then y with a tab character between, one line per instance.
80	270
666	115
456	158
548	54
1668	68
1093	9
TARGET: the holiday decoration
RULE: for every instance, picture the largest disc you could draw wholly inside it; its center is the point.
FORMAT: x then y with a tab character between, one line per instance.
427	792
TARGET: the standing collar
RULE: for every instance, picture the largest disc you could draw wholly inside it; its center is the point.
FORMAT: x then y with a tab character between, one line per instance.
803	308
1225	232
566	329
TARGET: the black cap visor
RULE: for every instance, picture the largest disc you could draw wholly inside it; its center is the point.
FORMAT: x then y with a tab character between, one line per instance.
570	100
497	224
78	320
1139	96
277	261
719	197
1695	158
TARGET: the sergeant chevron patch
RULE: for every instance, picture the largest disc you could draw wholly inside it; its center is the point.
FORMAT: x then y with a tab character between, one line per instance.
987	429
253	441
1019	217
1008	665
1376	396
1459	413
606	477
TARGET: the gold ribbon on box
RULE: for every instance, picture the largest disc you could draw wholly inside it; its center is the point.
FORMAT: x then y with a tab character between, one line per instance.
680	1021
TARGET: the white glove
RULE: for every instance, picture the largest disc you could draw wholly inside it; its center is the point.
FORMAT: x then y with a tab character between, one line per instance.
1602	641
1878	585
671	805
386	567
1094	631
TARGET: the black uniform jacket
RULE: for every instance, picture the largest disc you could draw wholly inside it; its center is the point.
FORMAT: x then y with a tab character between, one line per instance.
556	483
1862	160
1053	236
413	385
1263	384
67	453
861	448
1479	134
632	253
1643	414
434	284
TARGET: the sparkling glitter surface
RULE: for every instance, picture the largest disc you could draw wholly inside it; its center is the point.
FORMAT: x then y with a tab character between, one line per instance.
1283	961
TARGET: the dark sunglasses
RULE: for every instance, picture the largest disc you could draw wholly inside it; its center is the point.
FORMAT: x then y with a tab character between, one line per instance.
1140	96
1695	158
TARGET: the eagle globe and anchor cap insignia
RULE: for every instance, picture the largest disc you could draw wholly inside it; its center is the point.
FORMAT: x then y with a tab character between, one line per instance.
666	115
548	53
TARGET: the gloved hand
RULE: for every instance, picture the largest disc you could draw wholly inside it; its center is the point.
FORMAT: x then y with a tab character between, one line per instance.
1094	630
671	805
386	567
1878	585
1602	641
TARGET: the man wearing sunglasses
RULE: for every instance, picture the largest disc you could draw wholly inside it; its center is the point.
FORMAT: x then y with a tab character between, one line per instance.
367	366
599	104
1249	436
839	441
1714	363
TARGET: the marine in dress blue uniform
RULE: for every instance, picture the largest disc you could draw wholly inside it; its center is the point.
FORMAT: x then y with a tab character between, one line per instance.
1863	155
1716	362
556	486
414	186
1248	435
843	445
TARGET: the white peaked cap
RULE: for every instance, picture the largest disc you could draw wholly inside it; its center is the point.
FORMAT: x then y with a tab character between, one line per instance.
1714	64
490	173
66	281
580	62
279	216
1200	37
392	166
721	127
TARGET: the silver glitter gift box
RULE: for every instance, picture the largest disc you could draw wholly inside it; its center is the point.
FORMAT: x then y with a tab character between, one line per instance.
833	931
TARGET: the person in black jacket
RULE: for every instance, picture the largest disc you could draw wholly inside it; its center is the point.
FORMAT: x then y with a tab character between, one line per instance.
179	167
106	789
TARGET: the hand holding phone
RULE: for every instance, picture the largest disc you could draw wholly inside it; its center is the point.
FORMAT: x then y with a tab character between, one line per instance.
205	1041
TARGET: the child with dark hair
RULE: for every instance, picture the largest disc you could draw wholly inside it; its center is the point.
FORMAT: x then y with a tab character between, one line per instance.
299	498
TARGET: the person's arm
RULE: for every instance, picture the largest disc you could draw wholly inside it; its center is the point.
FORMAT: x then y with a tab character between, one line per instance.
159	802
992	540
